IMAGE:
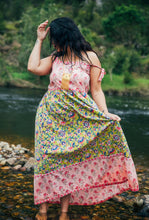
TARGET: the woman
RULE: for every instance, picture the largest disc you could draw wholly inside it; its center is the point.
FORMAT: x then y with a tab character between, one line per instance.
82	156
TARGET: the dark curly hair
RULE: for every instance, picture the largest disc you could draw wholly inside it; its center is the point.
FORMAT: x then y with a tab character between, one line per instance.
65	34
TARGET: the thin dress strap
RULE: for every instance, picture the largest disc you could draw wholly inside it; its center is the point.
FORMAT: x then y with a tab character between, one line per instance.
102	73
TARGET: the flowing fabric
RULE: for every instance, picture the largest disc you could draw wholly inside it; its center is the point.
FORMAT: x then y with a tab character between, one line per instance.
78	149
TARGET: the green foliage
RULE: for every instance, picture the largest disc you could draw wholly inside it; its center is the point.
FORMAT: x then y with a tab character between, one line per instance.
128	79
2	26
96	23
122	61
109	5
144	68
124	25
30	21
90	36
118	30
4	73
12	9
86	13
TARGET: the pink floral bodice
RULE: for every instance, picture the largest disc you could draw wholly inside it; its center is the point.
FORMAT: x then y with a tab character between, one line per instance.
79	75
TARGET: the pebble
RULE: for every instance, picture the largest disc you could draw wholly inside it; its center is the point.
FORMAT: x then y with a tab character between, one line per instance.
3	162
23	169
18	146
13	146
22	162
25	149
17	167
11	161
142	205
21	151
30	163
3	144
2	158
15	157
118	199
5	168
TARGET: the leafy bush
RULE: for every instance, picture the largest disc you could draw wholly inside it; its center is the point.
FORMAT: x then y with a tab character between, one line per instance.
121	60
125	25
90	36
86	13
28	28
2	26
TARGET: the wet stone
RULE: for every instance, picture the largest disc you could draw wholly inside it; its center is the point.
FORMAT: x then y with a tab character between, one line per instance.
3	162
20	162
18	146
30	163
118	199
6	168
1	159
23	169
21	151
17	167
11	161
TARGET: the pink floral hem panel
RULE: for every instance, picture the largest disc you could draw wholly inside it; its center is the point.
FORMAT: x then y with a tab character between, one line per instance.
89	182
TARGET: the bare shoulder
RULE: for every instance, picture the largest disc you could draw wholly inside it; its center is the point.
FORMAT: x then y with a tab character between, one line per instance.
93	58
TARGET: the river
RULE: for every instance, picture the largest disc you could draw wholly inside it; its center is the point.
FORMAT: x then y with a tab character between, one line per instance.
18	109
17	116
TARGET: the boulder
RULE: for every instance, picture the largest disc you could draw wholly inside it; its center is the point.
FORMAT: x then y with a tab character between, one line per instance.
141	205
30	164
17	167
11	161
3	144
21	151
3	162
6	168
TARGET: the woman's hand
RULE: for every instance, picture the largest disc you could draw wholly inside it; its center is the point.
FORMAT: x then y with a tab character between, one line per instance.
42	31
113	116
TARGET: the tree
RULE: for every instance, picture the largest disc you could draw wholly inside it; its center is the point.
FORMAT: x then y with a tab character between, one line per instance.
125	25
28	27
2	26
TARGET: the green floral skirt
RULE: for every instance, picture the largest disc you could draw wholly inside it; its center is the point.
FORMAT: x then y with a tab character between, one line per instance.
79	151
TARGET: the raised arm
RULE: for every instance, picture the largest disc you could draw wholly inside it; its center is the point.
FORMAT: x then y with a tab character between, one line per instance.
96	90
35	64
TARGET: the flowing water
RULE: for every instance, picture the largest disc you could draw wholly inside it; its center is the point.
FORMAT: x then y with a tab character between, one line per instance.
17	115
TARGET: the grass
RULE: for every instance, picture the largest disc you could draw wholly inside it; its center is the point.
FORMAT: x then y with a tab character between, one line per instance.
22	75
117	84
42	81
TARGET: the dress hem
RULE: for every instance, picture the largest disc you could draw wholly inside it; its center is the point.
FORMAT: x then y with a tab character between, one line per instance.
111	182
129	188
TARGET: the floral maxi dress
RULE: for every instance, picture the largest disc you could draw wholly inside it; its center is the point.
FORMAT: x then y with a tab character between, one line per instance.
78	149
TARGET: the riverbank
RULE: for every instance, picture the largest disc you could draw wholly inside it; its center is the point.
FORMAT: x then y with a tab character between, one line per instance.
139	86
17	193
